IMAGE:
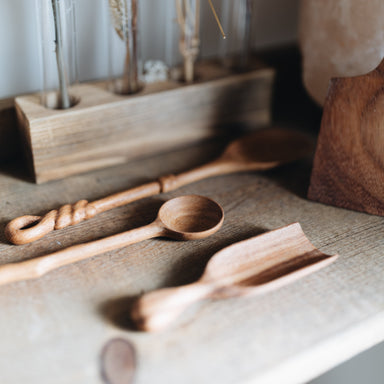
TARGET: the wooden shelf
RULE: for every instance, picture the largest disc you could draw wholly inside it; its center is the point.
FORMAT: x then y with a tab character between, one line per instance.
54	327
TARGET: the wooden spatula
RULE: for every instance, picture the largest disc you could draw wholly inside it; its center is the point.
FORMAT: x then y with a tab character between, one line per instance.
250	267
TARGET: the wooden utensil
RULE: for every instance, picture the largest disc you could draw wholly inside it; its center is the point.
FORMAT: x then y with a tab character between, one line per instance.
261	150
251	267
182	218
118	362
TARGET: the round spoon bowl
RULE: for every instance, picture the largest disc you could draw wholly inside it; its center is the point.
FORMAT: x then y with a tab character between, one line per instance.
270	146
191	217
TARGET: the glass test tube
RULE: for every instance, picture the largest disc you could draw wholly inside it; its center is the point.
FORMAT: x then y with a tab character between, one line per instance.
236	17
57	29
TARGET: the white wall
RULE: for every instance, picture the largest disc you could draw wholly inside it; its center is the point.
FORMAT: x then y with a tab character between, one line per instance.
19	60
276	23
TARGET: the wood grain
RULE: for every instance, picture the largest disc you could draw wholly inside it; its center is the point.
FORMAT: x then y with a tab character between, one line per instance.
251	267
53	328
104	129
349	164
259	151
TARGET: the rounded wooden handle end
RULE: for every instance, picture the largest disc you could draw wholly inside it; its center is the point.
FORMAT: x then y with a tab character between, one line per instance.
151	322
26	229
156	310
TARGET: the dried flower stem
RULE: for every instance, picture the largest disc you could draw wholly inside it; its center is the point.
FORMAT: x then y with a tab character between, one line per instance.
189	22
217	19
124	16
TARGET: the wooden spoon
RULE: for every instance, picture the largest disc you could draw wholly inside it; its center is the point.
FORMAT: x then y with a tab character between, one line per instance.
261	150
251	267
182	218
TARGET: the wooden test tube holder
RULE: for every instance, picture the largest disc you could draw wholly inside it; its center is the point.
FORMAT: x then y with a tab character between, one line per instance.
105	129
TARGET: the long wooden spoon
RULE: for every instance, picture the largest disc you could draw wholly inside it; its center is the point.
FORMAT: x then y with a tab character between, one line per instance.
182	218
261	150
251	267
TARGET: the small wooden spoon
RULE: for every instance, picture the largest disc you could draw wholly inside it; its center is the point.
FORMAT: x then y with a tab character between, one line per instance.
182	218
261	150
251	267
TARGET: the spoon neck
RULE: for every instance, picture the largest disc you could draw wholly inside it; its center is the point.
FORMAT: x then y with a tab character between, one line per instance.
216	167
195	291
122	198
149	231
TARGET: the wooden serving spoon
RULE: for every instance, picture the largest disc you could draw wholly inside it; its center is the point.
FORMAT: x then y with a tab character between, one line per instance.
261	150
182	218
250	267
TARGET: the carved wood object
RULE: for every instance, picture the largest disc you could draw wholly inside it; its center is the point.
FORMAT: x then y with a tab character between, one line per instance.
105	129
348	169
255	266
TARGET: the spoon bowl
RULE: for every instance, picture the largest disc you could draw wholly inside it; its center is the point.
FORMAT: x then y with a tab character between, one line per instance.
269	147
191	217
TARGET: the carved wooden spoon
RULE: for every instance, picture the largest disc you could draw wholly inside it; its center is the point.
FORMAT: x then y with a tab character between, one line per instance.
251	267
261	150
182	218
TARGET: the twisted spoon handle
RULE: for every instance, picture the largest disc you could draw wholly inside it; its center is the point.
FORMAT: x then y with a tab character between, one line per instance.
34	268
26	229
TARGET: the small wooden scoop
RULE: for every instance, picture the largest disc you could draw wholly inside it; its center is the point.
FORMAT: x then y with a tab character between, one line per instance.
251	267
182	218
261	150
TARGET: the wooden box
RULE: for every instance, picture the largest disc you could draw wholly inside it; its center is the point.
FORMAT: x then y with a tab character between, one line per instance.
104	129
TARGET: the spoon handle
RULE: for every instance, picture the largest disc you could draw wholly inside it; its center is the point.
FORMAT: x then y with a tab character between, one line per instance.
217	167
154	311
34	268
26	229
